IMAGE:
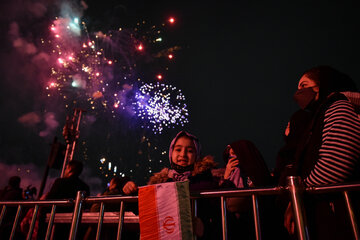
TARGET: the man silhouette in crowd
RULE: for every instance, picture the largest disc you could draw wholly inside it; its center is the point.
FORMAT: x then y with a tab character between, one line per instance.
65	188
10	193
70	184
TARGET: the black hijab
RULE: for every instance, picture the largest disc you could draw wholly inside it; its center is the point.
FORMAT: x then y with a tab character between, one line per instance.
251	162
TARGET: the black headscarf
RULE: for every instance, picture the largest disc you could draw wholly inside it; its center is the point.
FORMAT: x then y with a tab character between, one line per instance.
330	80
251	162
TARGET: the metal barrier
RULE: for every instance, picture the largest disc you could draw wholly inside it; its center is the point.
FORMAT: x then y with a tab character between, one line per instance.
71	218
294	188
36	205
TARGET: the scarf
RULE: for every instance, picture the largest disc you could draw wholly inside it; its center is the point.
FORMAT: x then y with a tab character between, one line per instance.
236	178
179	177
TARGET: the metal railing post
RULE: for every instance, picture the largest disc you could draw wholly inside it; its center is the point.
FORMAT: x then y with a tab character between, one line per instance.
3	210
351	215
100	222
256	216
32	224
223	218
296	188
121	220
15	222
194	209
76	215
51	222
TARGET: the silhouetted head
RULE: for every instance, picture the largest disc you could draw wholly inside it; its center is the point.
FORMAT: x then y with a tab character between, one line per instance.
14	181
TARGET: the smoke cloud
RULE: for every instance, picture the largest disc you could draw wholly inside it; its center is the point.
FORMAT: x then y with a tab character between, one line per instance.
32	119
29	119
51	125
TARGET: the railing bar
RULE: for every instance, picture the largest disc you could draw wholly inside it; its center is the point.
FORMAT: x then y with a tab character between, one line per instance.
195	212
332	188
3	210
195	208
241	193
121	220
112	199
15	222
51	222
351	215
223	218
256	216
32	224
43	203
76	215
101	218
294	184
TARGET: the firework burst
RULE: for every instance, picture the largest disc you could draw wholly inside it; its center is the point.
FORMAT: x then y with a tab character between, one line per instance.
161	105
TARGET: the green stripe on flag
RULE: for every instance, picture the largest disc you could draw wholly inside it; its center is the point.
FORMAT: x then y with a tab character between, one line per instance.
185	210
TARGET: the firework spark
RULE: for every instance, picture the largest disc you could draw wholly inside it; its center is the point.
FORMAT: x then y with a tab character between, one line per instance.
102	75
162	105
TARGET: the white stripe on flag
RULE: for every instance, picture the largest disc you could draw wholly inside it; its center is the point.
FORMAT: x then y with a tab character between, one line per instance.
168	210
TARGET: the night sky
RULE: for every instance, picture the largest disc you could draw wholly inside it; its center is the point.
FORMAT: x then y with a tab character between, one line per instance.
237	64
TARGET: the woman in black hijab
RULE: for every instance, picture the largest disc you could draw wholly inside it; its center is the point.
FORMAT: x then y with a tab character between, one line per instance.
327	149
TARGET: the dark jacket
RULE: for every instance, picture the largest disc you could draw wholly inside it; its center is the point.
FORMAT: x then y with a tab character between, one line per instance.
200	179
64	188
10	193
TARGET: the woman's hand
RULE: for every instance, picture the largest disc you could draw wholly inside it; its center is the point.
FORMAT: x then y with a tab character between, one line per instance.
289	219
230	166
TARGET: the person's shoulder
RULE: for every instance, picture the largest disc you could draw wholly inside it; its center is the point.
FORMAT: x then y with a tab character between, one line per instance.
204	166
12	194
159	177
341	107
341	103
58	181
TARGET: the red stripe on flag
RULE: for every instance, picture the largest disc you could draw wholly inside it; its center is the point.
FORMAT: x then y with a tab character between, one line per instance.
149	226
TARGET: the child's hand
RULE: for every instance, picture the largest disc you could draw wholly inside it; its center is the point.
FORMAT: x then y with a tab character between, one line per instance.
230	166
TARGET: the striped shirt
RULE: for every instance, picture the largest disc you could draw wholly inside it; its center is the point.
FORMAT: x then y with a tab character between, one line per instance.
339	152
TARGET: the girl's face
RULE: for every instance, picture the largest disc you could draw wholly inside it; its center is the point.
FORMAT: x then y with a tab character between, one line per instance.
306	82
184	152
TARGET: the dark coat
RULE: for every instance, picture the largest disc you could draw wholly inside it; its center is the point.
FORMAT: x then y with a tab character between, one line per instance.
200	179
10	193
64	188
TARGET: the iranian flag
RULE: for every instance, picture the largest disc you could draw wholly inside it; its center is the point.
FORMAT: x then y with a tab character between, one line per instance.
164	211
